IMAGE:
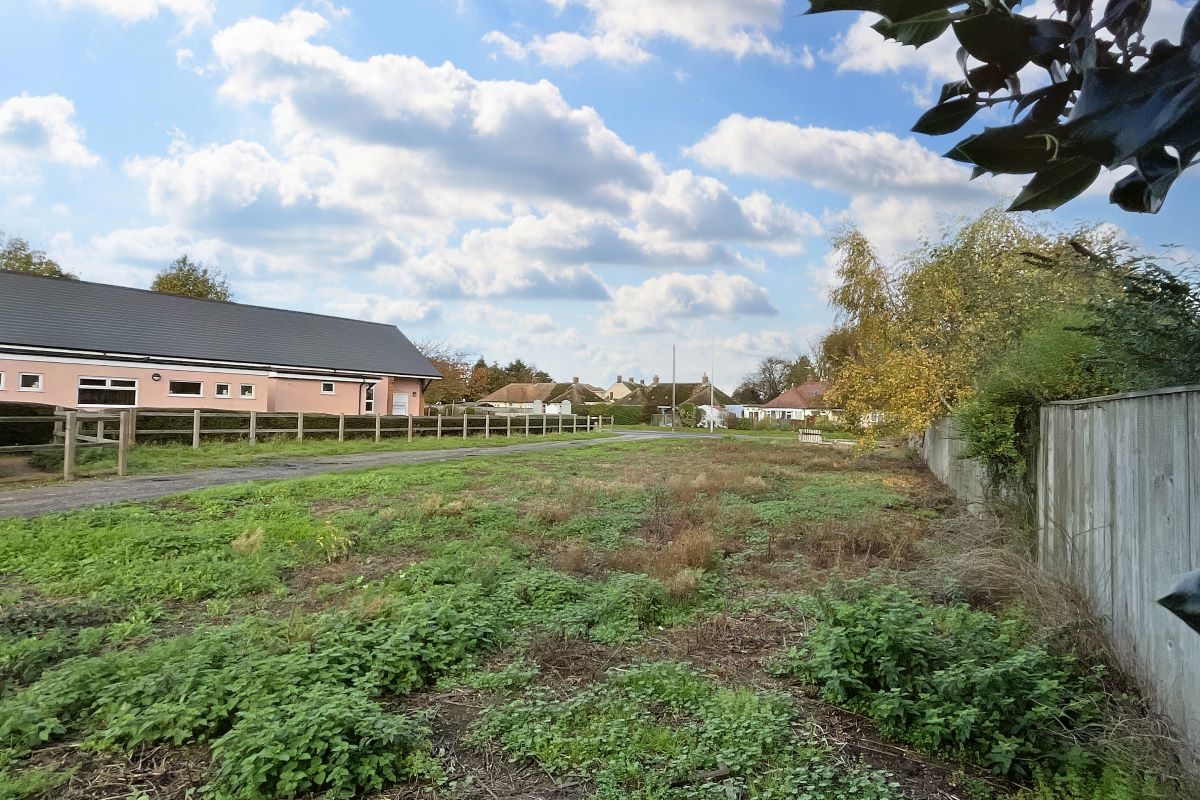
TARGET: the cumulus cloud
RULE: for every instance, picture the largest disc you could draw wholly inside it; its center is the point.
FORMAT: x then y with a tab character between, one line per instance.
620	31
42	128
502	137
379	308
439	184
190	13
657	304
897	188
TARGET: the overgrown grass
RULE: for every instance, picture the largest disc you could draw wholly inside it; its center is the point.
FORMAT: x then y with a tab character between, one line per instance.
665	731
286	632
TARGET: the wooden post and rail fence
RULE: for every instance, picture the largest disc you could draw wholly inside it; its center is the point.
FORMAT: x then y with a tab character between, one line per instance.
71	431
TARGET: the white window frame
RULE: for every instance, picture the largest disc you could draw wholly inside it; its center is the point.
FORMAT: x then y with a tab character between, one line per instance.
108	385
332	387
177	394
21	376
242	394
225	395
1	381
369	399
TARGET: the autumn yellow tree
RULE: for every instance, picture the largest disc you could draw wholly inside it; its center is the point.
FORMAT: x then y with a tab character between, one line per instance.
915	337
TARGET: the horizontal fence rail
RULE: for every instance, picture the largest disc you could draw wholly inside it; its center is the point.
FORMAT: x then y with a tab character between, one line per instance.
71	430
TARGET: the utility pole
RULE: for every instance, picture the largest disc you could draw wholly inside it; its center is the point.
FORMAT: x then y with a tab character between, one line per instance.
673	409
712	382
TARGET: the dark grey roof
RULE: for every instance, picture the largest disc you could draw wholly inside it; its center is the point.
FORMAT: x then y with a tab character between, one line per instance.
76	315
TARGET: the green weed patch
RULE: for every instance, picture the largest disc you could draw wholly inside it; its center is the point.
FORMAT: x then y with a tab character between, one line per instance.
665	731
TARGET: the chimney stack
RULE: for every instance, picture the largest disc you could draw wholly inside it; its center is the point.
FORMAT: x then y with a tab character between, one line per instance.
620	379
704	380
654	381
575	380
643	381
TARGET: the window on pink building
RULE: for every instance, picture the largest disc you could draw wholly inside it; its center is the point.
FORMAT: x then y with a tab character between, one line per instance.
186	389
246	391
107	392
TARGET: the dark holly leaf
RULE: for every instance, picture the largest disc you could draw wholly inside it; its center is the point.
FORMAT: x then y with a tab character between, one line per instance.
1013	149
915	31
892	9
1191	28
988	78
997	37
1132	193
1063	180
953	89
947	117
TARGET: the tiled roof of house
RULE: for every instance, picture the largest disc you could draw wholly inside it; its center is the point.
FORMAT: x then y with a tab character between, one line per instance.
528	393
118	321
806	395
660	395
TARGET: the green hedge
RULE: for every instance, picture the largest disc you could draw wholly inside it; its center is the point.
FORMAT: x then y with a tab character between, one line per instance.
622	415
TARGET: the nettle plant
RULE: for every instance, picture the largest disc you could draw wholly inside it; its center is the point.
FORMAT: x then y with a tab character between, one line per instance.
1099	96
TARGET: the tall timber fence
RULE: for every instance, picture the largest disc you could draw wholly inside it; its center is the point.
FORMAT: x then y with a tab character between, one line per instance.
69	431
1118	516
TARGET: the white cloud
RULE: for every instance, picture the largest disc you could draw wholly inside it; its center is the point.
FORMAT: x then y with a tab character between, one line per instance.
379	308
41	128
190	13
659	303
898	189
620	30
502	138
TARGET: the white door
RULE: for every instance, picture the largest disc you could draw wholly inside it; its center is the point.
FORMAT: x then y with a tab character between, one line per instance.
400	404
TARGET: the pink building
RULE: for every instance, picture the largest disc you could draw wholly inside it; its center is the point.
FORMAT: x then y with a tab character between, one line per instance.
93	346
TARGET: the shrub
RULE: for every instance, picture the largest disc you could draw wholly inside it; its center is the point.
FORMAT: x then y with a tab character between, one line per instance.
332	738
950	680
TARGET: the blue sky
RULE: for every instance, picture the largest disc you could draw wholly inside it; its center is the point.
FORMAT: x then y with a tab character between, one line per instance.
580	183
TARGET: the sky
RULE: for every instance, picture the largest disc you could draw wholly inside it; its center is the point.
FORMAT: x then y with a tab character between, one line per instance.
579	183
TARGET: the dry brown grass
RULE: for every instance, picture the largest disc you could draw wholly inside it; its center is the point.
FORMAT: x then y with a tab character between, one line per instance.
573	558
435	505
679	564
248	543
857	546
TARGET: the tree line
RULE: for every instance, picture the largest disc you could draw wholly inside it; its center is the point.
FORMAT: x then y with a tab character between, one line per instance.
467	379
183	276
998	317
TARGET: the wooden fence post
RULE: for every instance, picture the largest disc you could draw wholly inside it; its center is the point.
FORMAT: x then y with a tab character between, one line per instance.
123	446
466	423
341	427
574	423
299	426
253	427
487	426
600	421
71	428
507	426
439	430
196	429
133	415
378	428
99	429
526	426
410	427
560	427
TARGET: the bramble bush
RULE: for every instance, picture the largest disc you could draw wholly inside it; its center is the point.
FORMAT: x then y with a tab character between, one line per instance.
951	680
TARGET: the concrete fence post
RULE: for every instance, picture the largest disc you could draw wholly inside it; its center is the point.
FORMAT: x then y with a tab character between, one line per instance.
341	427
410	427
196	429
253	427
560	425
123	445
507	427
487	426
545	423
526	426
466	423
378	428
300	426
70	430
439	426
